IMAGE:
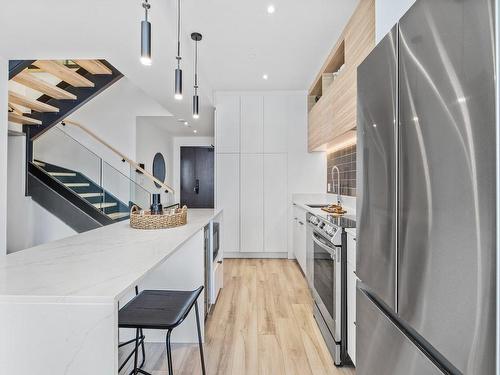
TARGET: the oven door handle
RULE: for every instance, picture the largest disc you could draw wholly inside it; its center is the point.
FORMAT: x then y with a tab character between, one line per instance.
325	247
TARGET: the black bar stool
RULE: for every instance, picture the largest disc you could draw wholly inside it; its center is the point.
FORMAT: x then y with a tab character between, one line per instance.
158	309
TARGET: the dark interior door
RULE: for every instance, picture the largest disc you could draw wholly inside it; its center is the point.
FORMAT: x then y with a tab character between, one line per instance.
197	177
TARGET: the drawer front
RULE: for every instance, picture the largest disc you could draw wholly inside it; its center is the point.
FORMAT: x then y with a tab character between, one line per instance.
383	348
299	213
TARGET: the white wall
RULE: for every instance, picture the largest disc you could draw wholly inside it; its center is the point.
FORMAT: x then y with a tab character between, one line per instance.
112	116
150	139
28	223
3	155
387	14
178	143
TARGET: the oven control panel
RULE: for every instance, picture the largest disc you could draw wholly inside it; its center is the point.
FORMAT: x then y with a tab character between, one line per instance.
325	228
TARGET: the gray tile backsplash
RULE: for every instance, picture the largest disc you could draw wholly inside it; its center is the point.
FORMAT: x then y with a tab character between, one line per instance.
345	160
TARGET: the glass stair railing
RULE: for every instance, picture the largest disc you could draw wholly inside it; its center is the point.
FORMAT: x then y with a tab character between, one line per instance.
92	180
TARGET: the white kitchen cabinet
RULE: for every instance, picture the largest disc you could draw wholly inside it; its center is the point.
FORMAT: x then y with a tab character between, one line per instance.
275	123
252	124
299	237
275	203
252	203
351	297
351	250
268	130
228	198
227	124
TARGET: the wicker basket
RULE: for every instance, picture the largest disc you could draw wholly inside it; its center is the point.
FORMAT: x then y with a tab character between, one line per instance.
145	220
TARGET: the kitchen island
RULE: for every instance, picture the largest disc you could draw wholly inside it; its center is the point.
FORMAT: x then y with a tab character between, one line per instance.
59	301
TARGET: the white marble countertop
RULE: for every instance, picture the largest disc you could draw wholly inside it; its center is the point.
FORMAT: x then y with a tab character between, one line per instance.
98	265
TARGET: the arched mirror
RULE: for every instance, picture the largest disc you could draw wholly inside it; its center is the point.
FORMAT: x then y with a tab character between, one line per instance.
159	168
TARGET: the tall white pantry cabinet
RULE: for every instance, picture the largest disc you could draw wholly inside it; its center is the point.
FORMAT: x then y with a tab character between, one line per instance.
256	136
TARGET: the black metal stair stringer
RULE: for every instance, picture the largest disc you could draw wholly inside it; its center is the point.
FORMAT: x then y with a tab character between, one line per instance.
66	107
17	66
63	202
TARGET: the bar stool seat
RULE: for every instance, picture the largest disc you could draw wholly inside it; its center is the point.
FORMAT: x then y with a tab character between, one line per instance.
158	309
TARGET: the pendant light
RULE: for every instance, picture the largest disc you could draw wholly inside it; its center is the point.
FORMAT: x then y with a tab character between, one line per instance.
196	101
146	36
178	70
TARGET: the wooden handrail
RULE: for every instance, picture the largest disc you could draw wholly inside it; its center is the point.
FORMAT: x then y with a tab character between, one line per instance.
122	156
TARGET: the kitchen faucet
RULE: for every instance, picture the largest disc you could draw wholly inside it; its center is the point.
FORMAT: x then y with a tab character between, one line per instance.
338	182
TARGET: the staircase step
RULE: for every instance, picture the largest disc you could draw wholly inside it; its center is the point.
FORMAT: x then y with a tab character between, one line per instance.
62	174
32	104
118	215
23	120
94	66
77	184
63	73
29	80
90	195
105	205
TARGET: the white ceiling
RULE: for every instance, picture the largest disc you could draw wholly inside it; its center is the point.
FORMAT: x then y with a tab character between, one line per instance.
240	43
176	127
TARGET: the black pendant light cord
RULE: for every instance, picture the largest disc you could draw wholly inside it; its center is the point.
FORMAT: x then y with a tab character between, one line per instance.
178	33
196	68
146	7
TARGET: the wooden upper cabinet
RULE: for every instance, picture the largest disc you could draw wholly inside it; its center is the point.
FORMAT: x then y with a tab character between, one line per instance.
333	94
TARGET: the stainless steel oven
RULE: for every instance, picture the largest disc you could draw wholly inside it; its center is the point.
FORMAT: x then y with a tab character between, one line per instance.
327	282
326	272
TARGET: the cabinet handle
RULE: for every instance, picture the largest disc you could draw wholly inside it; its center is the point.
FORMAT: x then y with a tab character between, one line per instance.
197	186
354	239
301	223
219	261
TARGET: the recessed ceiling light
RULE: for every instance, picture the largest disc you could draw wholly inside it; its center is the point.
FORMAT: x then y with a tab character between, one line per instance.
195	131
271	9
186	123
265	77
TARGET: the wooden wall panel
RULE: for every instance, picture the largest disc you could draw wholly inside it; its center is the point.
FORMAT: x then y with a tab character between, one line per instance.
335	113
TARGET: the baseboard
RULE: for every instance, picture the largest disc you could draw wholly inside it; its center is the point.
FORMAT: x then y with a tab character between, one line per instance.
238	255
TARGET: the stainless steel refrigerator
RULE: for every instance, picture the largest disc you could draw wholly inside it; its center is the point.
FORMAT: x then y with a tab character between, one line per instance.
427	194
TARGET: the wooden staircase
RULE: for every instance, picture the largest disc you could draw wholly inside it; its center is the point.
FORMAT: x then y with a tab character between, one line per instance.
78	82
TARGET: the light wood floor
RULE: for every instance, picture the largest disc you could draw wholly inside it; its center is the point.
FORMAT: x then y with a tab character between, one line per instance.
262	324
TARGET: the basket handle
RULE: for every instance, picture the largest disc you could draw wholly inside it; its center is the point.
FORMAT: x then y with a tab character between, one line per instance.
134	208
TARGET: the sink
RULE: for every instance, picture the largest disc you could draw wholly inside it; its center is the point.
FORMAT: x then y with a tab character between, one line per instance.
317	205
